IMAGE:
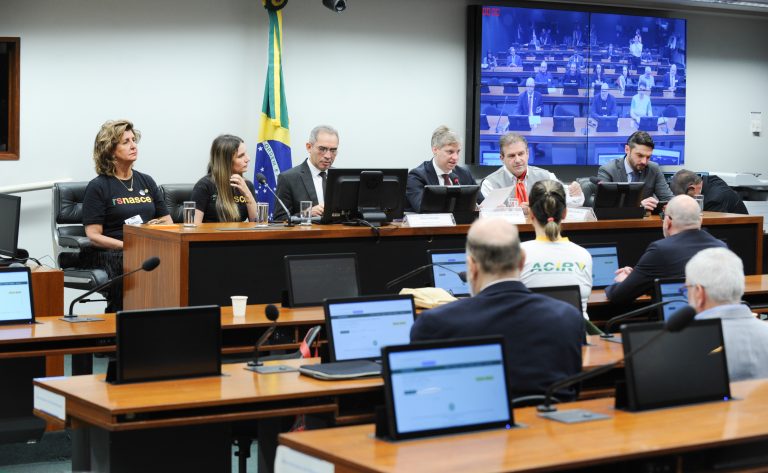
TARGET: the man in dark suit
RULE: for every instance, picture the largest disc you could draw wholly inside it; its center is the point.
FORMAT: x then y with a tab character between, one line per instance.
604	105
513	60
307	180
530	101
442	169
636	166
718	196
666	258
671	79
543	335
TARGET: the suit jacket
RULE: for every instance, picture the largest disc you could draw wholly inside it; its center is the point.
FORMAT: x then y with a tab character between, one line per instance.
425	175
293	186
655	184
678	80
603	108
719	197
543	336
522	103
665	258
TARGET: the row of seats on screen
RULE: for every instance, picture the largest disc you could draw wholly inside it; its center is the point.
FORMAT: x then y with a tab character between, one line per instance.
512	87
567	124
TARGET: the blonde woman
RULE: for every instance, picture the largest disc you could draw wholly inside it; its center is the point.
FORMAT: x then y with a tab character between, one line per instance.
224	195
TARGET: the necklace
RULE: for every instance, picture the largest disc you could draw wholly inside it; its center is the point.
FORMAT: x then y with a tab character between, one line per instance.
129	188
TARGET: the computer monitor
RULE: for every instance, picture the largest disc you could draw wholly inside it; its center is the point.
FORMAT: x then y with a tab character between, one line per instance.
313	278
570	89
155	344
519	123
446	386
10	211
648	124
445	275
358	327
461	201
609	124
484	123
680	124
16	301
677	368
568	294
617	200
373	195
563	124
672	290
605	262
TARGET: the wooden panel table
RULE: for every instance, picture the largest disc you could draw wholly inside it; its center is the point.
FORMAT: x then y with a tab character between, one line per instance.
687	438
207	265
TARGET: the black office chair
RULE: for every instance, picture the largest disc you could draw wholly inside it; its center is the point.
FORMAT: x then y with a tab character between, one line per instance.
303	352
589	189
69	241
174	196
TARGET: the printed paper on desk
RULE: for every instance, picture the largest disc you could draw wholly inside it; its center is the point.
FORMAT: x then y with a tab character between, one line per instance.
511	214
496	198
289	460
430	220
580	214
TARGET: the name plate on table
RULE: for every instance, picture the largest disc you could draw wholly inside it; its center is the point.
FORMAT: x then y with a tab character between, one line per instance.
430	220
580	214
511	214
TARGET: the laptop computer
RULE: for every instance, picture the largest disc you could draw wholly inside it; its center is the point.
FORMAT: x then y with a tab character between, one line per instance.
669	289
570	89
630	90
446	386
605	262
443	278
608	124
519	123
648	124
563	124
16	306
357	329
657	91
313	278
568	294
677	368
680	124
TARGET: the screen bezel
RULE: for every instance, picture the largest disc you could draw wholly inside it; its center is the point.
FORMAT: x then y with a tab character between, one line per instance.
394	434
14	221
657	294
288	259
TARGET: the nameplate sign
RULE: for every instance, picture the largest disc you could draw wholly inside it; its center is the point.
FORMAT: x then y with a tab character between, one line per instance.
430	220
49	402
511	214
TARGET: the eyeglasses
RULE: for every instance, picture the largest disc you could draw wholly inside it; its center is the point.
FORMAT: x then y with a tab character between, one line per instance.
683	290
324	150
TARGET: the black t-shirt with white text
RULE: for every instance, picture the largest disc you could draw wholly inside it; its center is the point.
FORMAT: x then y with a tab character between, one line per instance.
205	194
108	202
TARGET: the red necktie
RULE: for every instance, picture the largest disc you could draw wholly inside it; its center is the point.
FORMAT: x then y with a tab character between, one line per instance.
446	180
520	193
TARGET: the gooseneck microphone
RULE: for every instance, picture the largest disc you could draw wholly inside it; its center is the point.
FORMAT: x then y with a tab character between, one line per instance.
262	179
642	310
148	265
272	313
676	322
462	275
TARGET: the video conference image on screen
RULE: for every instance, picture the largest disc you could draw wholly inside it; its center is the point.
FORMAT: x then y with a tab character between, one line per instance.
577	84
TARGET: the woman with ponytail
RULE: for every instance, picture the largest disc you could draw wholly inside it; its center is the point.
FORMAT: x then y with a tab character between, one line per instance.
550	259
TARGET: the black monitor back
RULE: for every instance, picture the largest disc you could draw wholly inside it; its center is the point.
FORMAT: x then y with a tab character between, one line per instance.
313	278
10	210
617	200
344	196
461	201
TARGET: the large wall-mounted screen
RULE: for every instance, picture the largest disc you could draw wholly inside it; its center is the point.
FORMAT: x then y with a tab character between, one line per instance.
576	84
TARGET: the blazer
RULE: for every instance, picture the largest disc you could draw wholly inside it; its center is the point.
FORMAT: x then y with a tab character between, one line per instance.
522	104
293	186
655	184
665	258
543	335
425	175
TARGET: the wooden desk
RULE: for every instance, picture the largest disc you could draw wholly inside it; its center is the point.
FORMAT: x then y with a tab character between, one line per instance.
695	436
206	266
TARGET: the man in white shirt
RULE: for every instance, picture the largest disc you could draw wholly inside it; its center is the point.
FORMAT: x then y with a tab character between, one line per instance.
307	180
715	282
516	173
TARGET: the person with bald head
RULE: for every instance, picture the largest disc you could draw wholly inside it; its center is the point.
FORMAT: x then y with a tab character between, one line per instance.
714	279
666	258
530	101
543	335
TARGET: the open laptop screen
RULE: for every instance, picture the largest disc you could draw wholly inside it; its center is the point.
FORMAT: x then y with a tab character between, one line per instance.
312	278
443	278
359	327
605	262
16	296
446	386
670	290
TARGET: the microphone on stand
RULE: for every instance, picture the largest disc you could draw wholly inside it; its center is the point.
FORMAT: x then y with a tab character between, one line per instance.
148	265
272	313
614	320
462	275
676	322
262	179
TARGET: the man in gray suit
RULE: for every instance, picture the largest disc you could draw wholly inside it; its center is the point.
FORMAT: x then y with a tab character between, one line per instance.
715	282
307	180
636	166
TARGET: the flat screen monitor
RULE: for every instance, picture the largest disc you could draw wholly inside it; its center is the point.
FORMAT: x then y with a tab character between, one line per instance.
359	327
461	201
615	200
605	262
678	368
10	211
313	278
374	195
568	294
447	263
155	344
446	386
16	302
670	290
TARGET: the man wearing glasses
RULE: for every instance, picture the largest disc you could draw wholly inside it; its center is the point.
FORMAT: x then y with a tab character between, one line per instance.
715	282
307	180
665	258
